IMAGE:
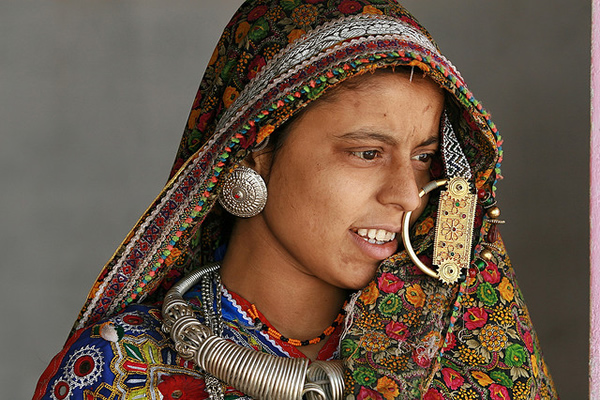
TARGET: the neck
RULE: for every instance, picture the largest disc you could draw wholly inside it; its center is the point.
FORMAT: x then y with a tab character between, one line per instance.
297	304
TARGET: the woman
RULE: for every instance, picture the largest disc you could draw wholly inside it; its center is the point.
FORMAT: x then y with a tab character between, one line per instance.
338	112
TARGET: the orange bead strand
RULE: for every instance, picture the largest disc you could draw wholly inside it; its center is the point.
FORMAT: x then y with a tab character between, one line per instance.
254	314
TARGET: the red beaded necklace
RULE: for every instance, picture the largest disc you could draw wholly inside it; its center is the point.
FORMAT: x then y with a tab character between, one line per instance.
264	327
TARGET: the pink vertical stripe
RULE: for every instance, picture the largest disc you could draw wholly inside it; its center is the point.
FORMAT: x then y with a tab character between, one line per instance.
595	207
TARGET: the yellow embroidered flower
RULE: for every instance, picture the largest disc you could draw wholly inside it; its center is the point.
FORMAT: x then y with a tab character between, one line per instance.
415	295
230	95
482	378
502	316
492	337
369	294
369	321
470	356
395	363
275	13
295	34
375	341
270	50
545	368
534	366
214	56
304	15
193	118
387	387
264	132
241	31
506	289
465	393
173	256
371	10
521	391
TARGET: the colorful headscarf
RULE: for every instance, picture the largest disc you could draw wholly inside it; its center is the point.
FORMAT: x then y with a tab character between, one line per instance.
410	336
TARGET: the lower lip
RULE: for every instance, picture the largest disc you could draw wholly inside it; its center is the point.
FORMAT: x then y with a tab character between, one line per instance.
373	250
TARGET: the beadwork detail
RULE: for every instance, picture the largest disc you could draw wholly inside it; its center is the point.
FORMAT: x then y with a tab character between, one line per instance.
262	326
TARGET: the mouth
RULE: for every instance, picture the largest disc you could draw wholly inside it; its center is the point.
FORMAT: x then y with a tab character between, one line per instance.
375	236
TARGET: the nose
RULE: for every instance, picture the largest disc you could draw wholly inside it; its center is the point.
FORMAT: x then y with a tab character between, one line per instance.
399	188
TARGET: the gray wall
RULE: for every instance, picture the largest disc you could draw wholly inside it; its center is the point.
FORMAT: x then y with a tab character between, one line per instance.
94	96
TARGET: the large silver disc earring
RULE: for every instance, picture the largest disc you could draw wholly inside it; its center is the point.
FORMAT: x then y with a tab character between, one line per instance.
244	193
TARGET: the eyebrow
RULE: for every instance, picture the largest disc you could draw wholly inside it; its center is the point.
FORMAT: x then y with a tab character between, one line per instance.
383	138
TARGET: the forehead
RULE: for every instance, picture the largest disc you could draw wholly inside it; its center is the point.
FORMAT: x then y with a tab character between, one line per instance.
376	91
381	79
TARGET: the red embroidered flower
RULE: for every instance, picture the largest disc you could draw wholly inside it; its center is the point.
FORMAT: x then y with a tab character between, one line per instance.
450	341
396	330
203	120
452	378
421	357
389	283
249	138
498	392
433	394
528	340
475	317
368	394
182	387
255	66
490	273
257	13
349	6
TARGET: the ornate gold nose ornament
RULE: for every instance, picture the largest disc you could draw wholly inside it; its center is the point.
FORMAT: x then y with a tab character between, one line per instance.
453	232
455	217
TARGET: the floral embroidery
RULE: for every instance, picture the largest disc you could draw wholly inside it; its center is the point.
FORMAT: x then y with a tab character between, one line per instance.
349	6
415	295
475	317
304	15
515	355
369	294
387	387
493	338
230	95
389	283
368	394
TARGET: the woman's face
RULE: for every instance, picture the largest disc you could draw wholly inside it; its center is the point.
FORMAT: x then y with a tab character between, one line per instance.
348	170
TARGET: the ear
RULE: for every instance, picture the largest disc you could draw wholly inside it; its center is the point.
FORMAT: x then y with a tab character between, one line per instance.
260	161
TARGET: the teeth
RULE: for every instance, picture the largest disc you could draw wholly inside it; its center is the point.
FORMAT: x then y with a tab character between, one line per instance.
376	236
381	235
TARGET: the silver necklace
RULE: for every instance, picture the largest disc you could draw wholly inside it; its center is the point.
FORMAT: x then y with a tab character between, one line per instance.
259	375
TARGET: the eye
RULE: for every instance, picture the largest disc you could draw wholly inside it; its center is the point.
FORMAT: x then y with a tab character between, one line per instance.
423	157
367	154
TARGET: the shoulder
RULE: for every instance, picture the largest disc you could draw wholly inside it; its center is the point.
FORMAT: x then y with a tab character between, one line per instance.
123	356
